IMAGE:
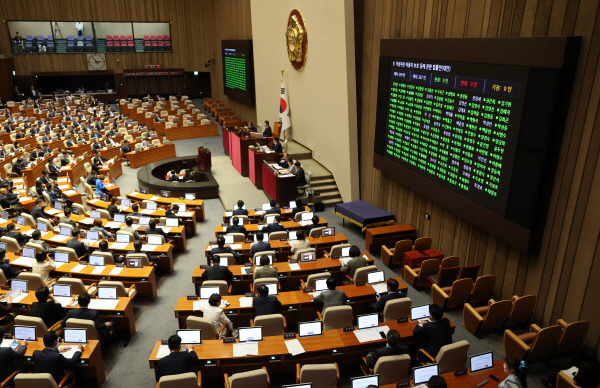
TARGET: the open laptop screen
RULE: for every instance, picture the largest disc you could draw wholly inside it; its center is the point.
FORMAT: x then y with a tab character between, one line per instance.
365	381
481	361
419	312
422	374
346	252
119	218
228	239
367	320
307	216
77	336
42	227
154	239
61	290
206	292
272	288
91	235
150	205
28	252
190	196
61	257
107	292
250	334
125	202
190	336
308	256
375	277
307	329
328	231
25	333
96	260
320	284
18	284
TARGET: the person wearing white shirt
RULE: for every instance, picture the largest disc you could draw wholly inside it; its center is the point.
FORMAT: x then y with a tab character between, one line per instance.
300	243
42	266
217	316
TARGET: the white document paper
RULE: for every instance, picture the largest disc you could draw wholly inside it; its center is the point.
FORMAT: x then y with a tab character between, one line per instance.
185	214
24	261
371	334
242	349
98	269
6	342
305	223
380	287
147	211
118	246
58	265
294	267
87	221
63	300
70	192
148	247
112	225
20	297
116	271
78	268
236	246
166	229
228	214
154	198
133	193
210	247
246	301
345	260
29	232
63	187
103	304
315	294
72	349
52	211
93	200
294	347
259	213
59	238
163	351
198	304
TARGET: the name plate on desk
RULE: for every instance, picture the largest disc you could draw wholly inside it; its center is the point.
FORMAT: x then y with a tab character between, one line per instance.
248	265
228	340
203	267
249	294
210	363
460	372
293	261
360	283
308	290
192	297
283	239
335	352
404	384
289	335
349	328
402	320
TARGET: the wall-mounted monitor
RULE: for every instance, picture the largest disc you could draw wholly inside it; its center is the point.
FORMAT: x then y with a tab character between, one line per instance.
238	70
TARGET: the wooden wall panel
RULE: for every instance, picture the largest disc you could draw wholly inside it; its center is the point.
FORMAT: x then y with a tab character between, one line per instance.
563	272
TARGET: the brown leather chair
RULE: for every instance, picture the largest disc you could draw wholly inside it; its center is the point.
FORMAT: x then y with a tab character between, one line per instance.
416	276
450	358
469	271
422	244
390	369
537	344
450	261
182	380
482	290
258	378
453	296
522	310
486	318
321	375
394	257
444	278
572	336
396	308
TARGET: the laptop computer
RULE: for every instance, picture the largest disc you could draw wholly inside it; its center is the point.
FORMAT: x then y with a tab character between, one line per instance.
366	321
24	333
250	334
171	222
365	381
143	190
420	313
422	374
190	336
321	285
61	290
309	329
107	292
123	238
96	260
150	205
481	361
375	277
125	202
119	218
18	284
228	239
154	239
165	193
92	235
75	336
42	227
190	196
64	231
330	231
206	292
270	219
133	263
61	257
305	257
28	252
272	288
306	216
95	214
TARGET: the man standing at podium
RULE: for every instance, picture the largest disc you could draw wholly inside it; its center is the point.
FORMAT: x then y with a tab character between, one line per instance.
267	132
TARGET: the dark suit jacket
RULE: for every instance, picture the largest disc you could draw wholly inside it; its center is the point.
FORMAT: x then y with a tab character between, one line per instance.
158	231
36	212
259	247
7	356
437	334
379	305
112	210
240	212
217	273
277	147
274	227
79	247
51	361
175	363
17	235
217	250
266	133
8	270
387	351
85	313
300	177
273	210
49	311
309	228
236	229
264	305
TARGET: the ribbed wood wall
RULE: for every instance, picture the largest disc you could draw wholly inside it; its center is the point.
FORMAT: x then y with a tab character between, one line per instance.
564	274
196	29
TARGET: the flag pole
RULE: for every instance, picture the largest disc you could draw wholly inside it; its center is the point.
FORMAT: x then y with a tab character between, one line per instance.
282	131
282	75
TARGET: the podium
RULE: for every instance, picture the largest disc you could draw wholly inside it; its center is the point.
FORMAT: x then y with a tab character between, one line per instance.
204	159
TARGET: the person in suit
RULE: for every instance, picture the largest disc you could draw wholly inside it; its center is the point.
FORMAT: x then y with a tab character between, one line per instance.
65	219
112	207
137	249
331	297
9	200
17	95
276	147
36	238
54	169
125	148
216	271
84	313
221	248
265	304
11	232
129	228
50	360
265	270
109	142
273	210
173	176
299	243
176	362
135	207
36	153
97	227
172	213
300	176
97	161
152	229
392	348
315	224
46	138
236	227
64	159
392	288
437	382
8	356
355	263
240	211
275	226
46	307
260	245
19	166
9	271
267	132
91	179
96	145
70	142
436	333
80	248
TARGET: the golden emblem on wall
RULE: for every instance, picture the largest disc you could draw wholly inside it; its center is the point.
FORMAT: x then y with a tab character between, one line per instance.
296	39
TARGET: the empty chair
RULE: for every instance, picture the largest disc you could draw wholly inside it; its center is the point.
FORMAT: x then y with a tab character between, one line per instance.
42	380
72	254
336	317
393	257
485	318
108	257
182	380
444	278
88	324
276	236
390	369
536	344
37	322
522	310
206	326
122	292
422	244
416	277
336	250
360	275
450	358
237	237
469	271
29	220
312	278
258	378
299	252
77	286
222	284
320	375
34	280
316	232
259	281
396	309
452	296
572	336
272	324
482	290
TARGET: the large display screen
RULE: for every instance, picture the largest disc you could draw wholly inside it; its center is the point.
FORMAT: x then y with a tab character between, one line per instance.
238	70
475	125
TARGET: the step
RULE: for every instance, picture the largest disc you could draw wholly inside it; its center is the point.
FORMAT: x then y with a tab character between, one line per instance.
330	194
323	179
324	189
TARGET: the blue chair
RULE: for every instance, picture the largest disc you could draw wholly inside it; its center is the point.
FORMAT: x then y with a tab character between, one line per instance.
70	43
50	46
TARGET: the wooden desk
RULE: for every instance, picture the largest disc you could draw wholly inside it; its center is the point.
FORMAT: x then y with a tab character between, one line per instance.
32	173
190	132
282	189
253	228
388	236
144	157
289	279
255	161
254	215
297	306
113	170
196	205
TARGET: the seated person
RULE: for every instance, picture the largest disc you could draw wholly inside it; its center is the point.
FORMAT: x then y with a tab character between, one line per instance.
129	228
84	313
37	210
240	211
275	226
331	297
172	213
135	207
259	245
300	243
65	219
103	247
173	176
276	147
8	356
36	237
103	233
100	187
265	304
176	362
50	360
125	148
112	207
392	288
517	374
273	210
221	248
46	307
81	249
315	224
392	348
437	382
300	176
43	265
217	271
236	227
217	316
11	232
355	263
137	248
152	229
9	271
265	270
91	179
299	208
436	333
